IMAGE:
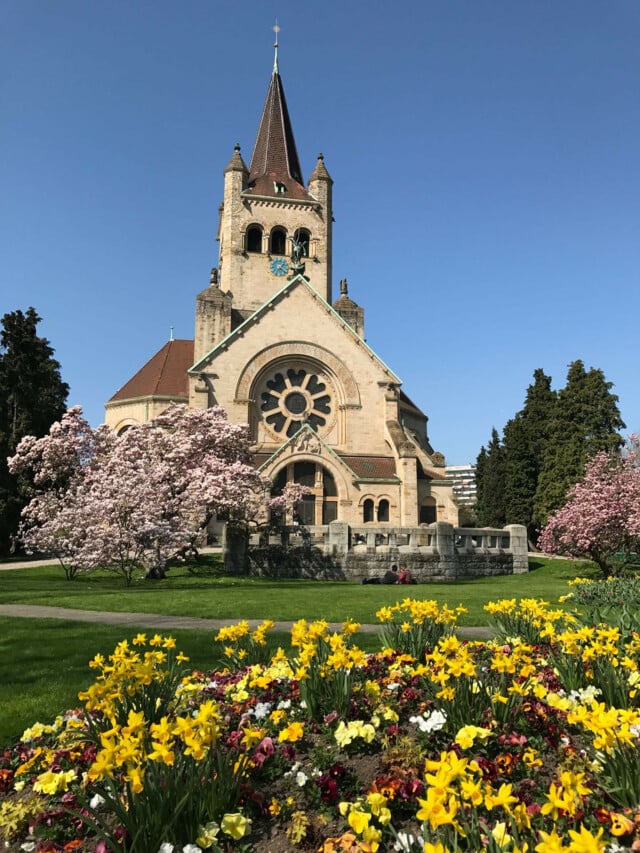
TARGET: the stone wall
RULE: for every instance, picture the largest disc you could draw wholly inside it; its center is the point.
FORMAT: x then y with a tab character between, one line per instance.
433	553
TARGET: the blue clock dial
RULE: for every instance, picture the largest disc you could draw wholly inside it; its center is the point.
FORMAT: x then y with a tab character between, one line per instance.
279	266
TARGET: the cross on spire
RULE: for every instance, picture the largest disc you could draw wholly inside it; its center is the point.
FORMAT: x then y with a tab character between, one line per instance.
276	30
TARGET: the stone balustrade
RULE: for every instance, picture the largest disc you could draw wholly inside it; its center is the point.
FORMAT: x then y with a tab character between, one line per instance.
435	552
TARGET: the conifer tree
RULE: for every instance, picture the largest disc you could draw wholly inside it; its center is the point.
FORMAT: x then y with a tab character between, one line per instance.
480	468
585	421
491	493
525	442
32	397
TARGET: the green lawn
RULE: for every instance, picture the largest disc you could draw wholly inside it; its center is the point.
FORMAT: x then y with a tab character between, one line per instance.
43	662
226	597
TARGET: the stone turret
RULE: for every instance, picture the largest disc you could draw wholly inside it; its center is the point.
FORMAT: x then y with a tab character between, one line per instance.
349	310
213	317
321	188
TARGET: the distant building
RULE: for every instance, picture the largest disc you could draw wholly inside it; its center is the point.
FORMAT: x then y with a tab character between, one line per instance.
463	480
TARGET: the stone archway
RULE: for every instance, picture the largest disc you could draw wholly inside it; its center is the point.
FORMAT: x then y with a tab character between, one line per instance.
320	506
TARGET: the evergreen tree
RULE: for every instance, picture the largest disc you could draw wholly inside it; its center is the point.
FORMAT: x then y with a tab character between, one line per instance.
480	468
491	503
32	397
585	421
525	442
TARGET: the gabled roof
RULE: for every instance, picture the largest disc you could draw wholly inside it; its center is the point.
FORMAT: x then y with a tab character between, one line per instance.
296	281
164	375
275	170
363	468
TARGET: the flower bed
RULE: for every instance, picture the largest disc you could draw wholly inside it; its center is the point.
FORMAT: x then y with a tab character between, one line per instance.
508	745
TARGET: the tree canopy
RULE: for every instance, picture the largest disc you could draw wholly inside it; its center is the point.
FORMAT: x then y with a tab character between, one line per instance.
545	447
584	422
32	397
601	518
137	500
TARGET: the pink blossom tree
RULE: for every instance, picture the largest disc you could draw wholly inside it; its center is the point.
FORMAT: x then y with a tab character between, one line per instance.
602	515
141	499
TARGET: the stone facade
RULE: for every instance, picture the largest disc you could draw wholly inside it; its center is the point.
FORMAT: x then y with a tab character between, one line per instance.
275	351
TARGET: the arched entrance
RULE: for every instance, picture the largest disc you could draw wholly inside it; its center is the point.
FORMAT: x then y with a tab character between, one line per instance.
320	506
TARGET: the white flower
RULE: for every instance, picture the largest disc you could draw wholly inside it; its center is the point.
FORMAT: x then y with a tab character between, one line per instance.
96	801
166	848
433	723
284	704
191	848
261	710
404	842
28	846
301	779
393	686
294	769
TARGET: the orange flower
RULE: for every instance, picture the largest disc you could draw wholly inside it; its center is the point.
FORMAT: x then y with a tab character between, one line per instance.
620	825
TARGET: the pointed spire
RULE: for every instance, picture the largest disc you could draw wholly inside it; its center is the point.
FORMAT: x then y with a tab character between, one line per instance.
275	166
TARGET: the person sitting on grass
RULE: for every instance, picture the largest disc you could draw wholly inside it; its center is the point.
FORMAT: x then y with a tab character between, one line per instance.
391	576
404	575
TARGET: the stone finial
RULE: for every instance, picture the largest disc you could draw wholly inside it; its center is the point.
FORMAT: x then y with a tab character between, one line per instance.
213	279
320	172
343	287
236	164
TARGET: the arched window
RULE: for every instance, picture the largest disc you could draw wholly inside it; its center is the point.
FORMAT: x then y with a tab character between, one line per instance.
254	239
321	505
383	510
278	242
303	237
367	510
428	512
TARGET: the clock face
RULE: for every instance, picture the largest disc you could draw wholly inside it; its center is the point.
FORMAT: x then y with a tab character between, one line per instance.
279	266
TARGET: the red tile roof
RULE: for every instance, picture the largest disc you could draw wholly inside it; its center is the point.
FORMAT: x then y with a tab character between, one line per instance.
372	467
164	375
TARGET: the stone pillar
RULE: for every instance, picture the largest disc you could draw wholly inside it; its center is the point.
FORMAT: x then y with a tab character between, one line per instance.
445	548
235	550
519	547
339	538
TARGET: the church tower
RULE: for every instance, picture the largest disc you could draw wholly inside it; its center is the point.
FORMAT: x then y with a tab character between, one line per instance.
276	352
272	226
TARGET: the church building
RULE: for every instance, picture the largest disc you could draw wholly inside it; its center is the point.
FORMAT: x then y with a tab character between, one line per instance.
275	349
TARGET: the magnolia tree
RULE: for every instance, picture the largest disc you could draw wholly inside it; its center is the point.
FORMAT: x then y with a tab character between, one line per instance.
601	518
140	499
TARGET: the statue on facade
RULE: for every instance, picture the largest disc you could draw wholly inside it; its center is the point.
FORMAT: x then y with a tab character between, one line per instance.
298	251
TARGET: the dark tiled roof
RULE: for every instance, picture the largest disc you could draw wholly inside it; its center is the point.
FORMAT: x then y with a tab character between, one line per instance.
372	467
407	403
275	157
164	375
260	458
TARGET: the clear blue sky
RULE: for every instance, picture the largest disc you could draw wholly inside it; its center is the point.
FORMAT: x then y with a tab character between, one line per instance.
486	162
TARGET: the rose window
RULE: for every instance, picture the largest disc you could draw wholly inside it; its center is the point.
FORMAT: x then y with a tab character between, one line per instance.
293	398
